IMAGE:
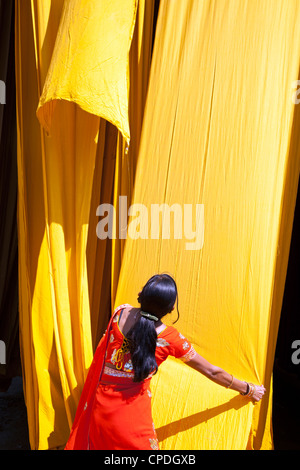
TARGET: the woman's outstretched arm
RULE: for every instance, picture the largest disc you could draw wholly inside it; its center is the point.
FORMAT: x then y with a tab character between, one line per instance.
221	377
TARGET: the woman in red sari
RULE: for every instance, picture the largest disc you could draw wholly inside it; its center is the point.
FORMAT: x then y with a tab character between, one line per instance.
114	411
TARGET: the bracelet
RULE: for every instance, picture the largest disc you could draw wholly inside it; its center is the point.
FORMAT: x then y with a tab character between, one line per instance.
247	390
250	390
230	385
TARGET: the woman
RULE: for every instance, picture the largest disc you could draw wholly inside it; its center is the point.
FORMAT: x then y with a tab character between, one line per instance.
114	410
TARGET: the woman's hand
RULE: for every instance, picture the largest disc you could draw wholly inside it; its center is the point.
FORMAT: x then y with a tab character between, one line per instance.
258	393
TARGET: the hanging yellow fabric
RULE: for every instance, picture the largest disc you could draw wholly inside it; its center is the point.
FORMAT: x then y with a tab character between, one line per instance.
56	193
114	176
36	324
126	159
220	129
89	64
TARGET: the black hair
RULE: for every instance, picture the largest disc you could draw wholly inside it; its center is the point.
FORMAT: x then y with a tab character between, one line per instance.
158	298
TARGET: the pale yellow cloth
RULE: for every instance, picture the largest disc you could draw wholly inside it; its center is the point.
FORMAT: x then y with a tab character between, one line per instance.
89	64
220	129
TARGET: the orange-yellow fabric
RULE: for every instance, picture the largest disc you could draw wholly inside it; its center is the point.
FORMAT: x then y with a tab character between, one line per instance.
220	129
56	192
126	157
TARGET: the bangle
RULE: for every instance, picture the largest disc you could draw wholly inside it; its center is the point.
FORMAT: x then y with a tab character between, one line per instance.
250	390
230	385
247	390
253	390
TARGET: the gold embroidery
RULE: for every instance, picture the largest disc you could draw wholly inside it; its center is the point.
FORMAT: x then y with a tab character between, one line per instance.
113	356
153	444
117	373
120	353
128	367
162	342
189	355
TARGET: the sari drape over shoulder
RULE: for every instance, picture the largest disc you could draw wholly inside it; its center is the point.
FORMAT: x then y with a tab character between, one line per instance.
114	413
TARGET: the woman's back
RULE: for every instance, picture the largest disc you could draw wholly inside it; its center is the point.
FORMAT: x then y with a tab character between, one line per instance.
118	360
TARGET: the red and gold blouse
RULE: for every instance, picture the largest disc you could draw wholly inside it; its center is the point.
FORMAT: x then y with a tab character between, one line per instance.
169	342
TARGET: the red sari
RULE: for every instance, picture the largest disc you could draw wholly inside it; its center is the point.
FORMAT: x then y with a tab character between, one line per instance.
114	413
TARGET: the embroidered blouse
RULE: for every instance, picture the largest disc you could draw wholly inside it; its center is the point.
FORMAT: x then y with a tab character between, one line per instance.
169	342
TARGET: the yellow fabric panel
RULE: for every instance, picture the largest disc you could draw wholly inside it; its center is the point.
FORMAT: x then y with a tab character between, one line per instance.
57	190
220	129
126	157
99	251
31	210
89	64
114	175
207	421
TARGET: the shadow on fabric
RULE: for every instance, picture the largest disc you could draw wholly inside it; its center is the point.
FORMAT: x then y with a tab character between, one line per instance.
189	422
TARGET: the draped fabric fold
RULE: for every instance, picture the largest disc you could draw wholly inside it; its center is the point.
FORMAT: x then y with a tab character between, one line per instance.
89	64
126	158
57	188
114	176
